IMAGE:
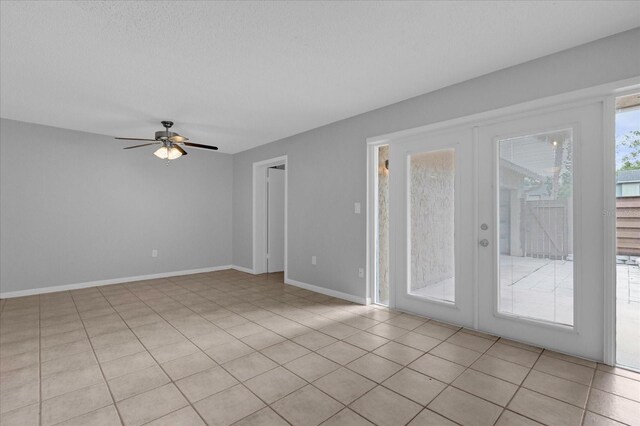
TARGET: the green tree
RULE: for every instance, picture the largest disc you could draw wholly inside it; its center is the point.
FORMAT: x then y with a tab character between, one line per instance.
630	145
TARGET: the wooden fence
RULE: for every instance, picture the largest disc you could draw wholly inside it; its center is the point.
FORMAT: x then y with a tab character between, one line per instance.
628	226
546	229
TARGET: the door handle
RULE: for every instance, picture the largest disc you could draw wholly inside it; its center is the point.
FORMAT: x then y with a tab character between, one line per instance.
484	242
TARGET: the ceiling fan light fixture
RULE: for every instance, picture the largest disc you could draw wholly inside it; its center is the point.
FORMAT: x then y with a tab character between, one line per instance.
174	153
162	152
168	153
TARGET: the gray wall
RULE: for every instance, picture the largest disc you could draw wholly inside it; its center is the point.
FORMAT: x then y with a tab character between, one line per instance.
75	207
327	165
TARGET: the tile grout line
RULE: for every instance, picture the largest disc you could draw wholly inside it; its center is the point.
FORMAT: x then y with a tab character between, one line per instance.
517	390
586	404
39	361
93	350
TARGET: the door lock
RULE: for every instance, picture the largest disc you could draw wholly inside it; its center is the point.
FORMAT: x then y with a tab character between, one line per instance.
484	226
484	242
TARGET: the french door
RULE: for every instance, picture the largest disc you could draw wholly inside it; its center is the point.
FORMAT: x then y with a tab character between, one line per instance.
498	227
540	276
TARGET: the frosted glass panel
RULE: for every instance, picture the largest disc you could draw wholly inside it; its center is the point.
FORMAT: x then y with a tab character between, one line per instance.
431	233
536	226
382	246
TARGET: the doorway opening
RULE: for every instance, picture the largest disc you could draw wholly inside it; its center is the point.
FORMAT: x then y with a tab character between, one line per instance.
270	216
275	219
627	136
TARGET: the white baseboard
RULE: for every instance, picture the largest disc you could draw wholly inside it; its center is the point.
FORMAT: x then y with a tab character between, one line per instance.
66	287
328	292
243	269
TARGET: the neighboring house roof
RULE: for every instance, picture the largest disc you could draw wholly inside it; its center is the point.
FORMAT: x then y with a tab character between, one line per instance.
519	169
538	191
628	176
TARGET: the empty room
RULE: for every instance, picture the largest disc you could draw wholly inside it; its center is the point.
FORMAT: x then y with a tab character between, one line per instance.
336	213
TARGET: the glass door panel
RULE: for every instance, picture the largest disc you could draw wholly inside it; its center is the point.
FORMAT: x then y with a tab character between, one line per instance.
432	225
382	226
535	181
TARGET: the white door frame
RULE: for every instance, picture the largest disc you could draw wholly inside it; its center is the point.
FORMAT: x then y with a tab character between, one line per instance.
260	212
372	223
606	94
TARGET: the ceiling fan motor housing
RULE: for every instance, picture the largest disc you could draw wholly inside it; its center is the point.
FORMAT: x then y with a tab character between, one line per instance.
162	135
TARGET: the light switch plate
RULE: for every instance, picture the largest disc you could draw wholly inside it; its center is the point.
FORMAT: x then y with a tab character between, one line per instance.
356	208
313	260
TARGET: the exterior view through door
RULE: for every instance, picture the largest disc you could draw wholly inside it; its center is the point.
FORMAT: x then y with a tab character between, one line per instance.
496	225
628	230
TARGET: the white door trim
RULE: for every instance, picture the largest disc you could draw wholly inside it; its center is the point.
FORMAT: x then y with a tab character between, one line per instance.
259	212
372	225
609	225
563	100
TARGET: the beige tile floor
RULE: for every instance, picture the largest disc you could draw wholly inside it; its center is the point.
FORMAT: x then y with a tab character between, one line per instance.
228	348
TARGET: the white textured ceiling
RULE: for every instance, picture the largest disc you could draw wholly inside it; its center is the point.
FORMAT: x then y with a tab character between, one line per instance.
241	74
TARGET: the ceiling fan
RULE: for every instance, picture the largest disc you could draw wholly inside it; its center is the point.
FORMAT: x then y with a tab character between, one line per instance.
170	141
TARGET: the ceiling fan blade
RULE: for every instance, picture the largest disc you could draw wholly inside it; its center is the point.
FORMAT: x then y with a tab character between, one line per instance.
182	151
135	139
198	145
138	146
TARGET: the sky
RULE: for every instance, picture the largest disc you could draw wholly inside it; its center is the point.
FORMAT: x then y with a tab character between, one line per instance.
625	122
